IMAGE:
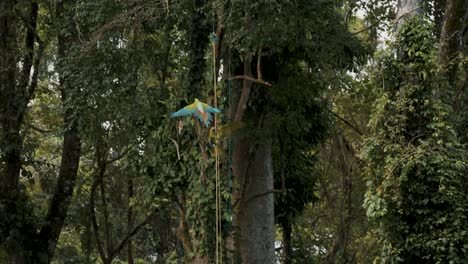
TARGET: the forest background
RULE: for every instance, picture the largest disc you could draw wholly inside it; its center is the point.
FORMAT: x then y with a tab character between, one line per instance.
342	138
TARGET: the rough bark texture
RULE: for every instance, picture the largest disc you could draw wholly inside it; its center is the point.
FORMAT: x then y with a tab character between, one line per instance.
438	13
450	37
129	219
254	218
407	8
60	201
71	151
15	92
10	143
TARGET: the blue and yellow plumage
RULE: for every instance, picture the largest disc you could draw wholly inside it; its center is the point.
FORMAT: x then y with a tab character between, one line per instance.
199	109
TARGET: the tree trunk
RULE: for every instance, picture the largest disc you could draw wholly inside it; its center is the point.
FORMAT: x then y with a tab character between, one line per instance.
254	208
287	249
407	8
71	151
61	199
10	141
252	198
439	9
129	219
15	92
450	37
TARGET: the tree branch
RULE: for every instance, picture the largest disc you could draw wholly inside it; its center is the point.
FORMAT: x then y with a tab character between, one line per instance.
249	78
259	64
370	26
345	122
247	85
94	221
131	234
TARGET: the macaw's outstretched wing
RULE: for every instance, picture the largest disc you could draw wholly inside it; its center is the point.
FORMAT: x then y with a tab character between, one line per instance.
184	111
211	109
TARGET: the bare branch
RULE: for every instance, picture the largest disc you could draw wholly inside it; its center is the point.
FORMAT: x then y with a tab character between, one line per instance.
249	78
38	129
177	148
259	62
94	221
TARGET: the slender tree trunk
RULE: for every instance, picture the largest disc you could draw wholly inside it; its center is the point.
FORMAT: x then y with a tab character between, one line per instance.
71	150
129	219
287	249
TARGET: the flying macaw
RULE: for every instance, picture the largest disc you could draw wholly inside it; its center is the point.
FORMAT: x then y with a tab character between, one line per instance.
200	110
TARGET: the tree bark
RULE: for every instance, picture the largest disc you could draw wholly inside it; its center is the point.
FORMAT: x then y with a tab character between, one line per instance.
450	37
71	150
407	8
129	219
254	218
15	93
439	9
10	143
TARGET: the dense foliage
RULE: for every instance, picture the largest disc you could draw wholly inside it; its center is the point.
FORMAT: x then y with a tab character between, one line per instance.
342	136
415	165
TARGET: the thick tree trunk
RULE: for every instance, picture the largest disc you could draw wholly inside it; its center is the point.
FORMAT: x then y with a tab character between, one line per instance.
15	93
450	46
253	221
439	9
254	207
407	8
450	37
10	141
287	249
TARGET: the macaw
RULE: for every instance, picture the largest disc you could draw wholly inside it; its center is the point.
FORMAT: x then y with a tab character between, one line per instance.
200	110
